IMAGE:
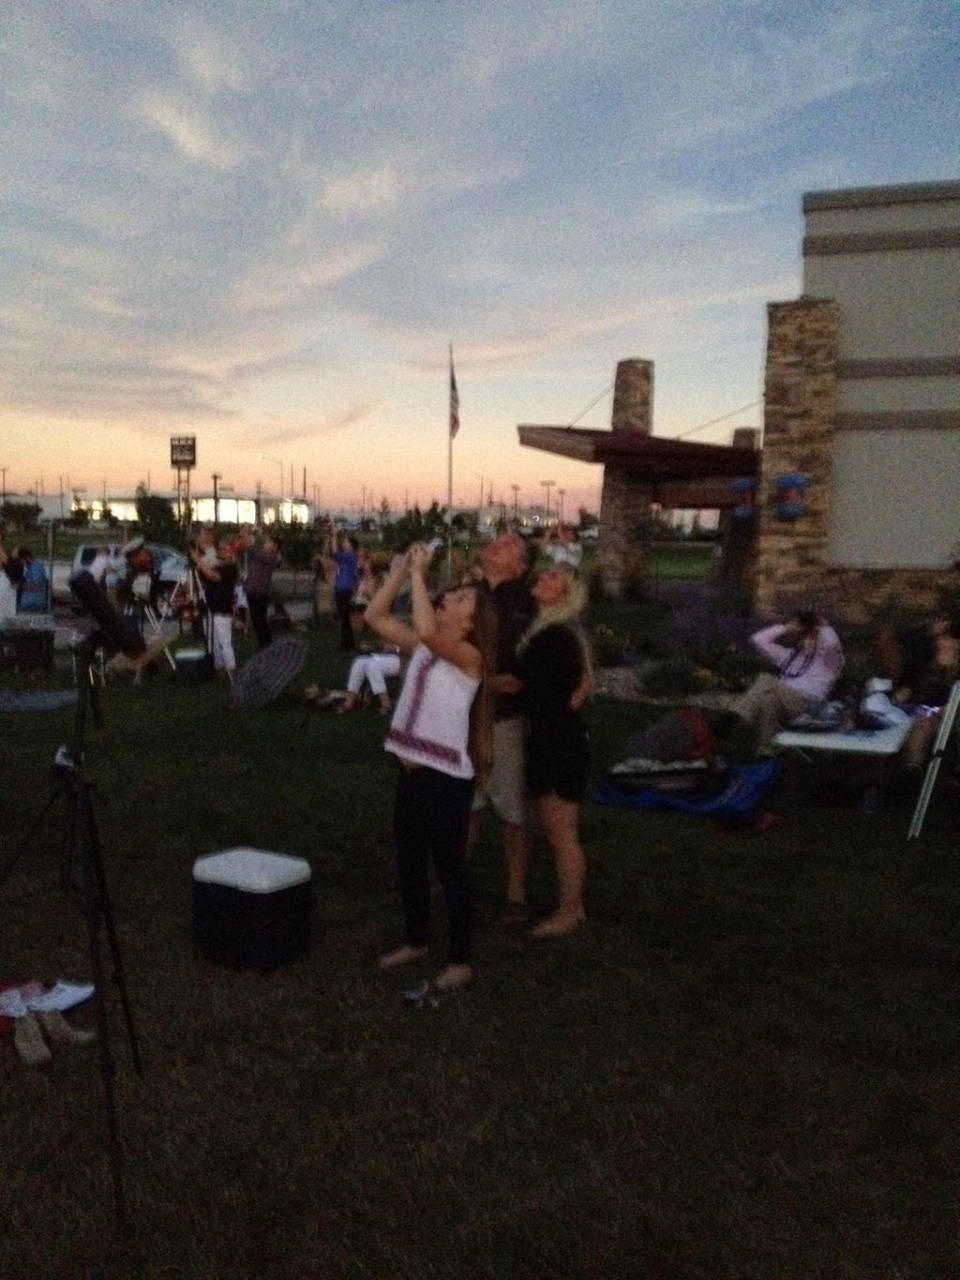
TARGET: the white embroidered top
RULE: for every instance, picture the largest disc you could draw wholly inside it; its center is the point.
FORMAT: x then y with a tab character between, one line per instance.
431	723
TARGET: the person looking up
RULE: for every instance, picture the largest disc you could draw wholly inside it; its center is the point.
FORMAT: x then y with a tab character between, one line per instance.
553	664
504	568
440	734
219	577
342	560
809	658
261	563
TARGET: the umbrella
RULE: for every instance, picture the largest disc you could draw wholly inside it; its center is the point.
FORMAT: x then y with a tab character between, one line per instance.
268	673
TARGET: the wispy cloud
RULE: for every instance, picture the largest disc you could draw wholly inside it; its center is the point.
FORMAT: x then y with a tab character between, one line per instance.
276	215
189	131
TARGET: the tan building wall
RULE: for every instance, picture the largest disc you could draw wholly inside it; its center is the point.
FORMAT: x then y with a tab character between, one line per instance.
863	398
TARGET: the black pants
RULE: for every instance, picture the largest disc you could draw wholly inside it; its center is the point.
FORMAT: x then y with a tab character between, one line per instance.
431	814
258	604
343	600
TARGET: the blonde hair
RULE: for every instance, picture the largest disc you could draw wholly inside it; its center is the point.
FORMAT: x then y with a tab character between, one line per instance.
565	613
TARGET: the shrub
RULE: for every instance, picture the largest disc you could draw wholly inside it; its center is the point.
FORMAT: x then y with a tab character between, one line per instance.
674	678
610	649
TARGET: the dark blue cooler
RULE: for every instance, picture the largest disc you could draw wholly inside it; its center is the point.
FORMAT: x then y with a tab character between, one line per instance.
251	909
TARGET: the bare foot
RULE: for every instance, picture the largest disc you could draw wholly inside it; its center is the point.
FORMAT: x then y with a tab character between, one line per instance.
454	976
557	926
402	955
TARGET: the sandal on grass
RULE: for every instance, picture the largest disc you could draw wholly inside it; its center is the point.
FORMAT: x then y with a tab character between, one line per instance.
454	977
400	956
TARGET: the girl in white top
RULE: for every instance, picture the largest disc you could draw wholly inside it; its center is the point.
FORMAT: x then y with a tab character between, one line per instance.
440	734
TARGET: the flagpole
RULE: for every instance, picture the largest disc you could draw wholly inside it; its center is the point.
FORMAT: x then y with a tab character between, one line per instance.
453	426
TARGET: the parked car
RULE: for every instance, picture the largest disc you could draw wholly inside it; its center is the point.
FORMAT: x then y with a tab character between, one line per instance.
171	565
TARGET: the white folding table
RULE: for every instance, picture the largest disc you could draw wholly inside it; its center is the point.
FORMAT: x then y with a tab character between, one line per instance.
869	750
865	742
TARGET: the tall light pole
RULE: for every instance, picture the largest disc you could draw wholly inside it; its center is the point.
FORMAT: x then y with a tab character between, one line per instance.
216	477
561	494
548	485
516	501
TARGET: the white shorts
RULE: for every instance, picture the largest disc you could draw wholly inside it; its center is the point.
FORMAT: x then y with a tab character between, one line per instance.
506	789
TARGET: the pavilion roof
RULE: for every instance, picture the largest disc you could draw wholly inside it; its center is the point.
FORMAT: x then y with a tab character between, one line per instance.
653	457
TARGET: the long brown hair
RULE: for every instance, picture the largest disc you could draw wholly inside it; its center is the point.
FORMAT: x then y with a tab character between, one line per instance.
483	634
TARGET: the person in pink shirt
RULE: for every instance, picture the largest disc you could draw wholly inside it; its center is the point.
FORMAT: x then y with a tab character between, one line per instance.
808	657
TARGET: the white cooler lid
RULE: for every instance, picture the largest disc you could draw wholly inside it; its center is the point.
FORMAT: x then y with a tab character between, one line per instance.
252	870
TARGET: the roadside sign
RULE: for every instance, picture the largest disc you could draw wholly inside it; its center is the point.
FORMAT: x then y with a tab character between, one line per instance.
183	451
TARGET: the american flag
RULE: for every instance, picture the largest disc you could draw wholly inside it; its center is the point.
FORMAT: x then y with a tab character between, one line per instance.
454	400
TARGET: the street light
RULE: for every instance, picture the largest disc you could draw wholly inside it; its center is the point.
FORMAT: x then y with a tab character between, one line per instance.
561	494
216	477
548	485
516	501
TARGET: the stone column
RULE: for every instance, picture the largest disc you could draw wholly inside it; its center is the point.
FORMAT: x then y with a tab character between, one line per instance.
800	408
625	501
738	538
633	397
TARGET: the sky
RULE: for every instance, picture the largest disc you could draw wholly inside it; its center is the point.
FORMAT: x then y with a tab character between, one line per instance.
263	223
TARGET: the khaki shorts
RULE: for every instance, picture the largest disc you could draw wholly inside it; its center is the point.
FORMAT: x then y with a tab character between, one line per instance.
506	789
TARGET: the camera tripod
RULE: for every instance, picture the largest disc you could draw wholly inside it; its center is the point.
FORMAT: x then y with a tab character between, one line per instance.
81	845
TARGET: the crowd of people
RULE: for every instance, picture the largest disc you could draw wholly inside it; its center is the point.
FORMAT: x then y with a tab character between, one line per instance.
495	672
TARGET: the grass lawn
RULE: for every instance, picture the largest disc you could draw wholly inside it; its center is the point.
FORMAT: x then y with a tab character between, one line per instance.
743	1067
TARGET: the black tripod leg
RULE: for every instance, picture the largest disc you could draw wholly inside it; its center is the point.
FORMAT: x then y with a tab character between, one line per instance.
107	1068
97	886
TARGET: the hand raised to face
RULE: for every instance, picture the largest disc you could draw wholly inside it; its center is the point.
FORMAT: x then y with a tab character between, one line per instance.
420	556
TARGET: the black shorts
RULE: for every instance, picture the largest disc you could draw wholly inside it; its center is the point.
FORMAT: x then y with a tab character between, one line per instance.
559	761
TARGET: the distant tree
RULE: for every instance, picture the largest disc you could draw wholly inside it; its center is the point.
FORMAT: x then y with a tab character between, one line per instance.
417	526
109	519
383	513
79	514
587	519
156	518
21	514
465	523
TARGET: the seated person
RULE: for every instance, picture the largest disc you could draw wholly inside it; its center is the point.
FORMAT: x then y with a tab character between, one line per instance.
930	664
373	669
809	658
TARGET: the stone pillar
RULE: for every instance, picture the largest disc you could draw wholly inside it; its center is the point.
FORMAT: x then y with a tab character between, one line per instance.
625	501
800	408
738	538
633	397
